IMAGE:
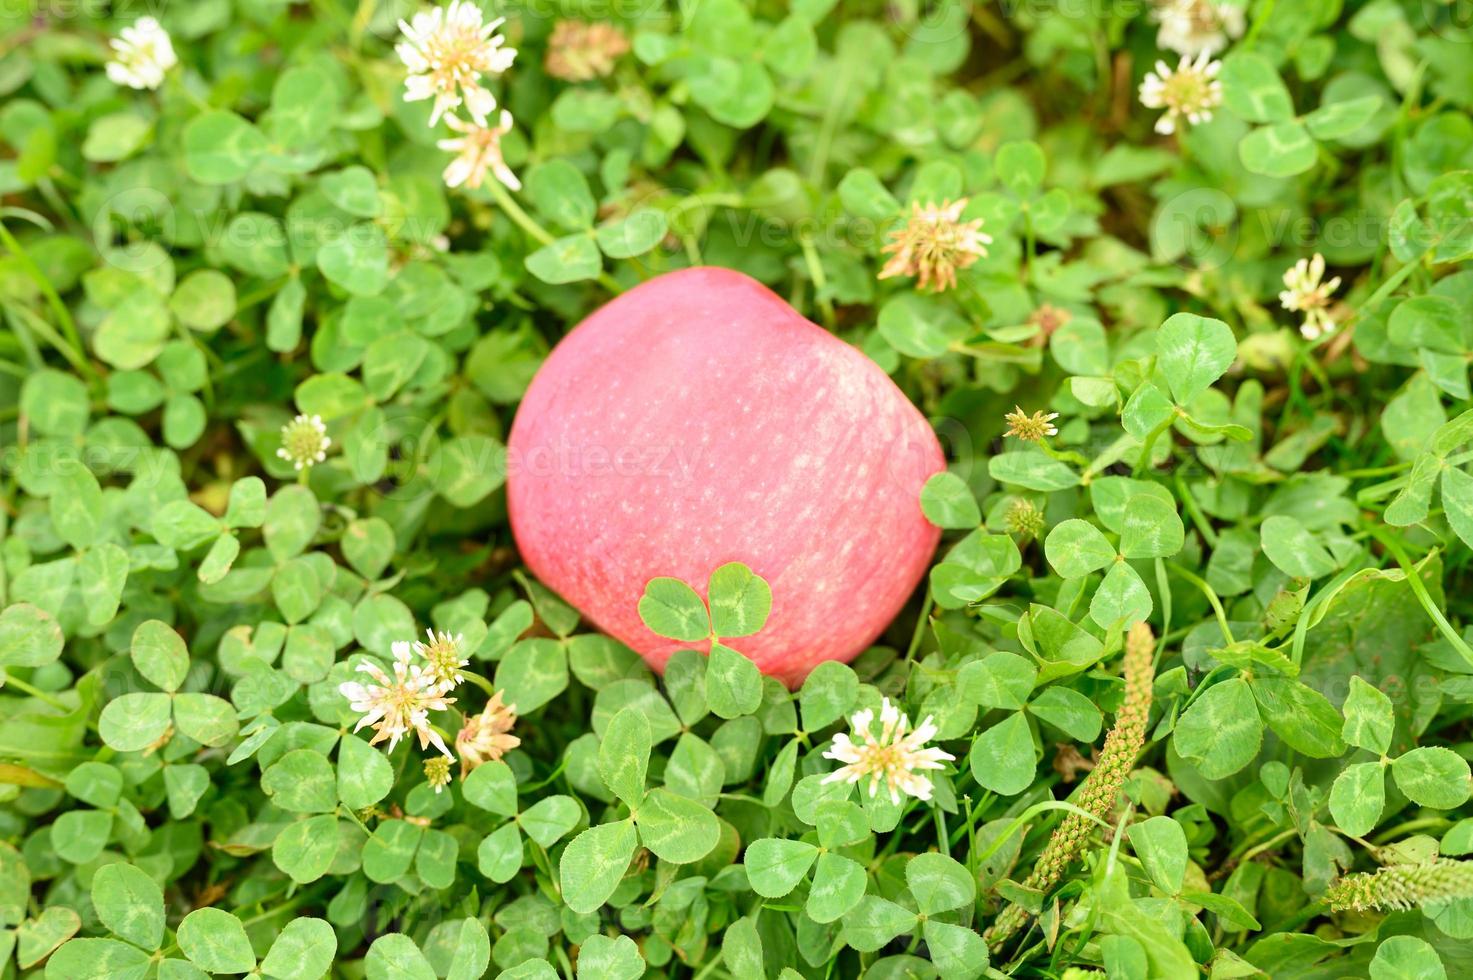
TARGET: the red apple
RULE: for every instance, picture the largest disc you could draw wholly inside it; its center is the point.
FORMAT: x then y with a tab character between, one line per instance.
697	420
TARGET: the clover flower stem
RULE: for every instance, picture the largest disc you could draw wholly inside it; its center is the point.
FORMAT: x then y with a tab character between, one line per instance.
920	629
529	224
1389	286
514	211
1211	594
479	681
1265	13
1199	520
361	18
893	844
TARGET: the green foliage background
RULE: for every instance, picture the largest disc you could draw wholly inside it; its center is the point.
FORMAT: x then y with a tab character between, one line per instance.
185	269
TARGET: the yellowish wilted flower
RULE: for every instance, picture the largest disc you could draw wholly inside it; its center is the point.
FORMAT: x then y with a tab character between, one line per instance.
578	51
304	441
894	758
478	150
143	53
1306	291
934	243
447	50
1030	428
437	772
442	658
486	737
1193	27
1190	92
399	705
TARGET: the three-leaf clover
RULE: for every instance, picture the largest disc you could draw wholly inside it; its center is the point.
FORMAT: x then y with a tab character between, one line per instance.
738	603
1430	776
135	721
1004	756
1148	527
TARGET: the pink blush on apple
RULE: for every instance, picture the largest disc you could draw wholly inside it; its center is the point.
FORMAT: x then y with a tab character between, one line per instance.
699	419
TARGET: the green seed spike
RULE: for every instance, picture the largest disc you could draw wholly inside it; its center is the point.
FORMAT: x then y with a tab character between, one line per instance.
1402	886
1100	789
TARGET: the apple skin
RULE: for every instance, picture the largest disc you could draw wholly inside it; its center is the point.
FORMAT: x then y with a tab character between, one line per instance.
698	419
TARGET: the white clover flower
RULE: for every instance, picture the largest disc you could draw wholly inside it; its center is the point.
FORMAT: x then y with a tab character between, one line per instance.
398	705
934	243
479	150
447	50
442	658
143	54
894	758
1307	292
1190	92
304	441
1194	27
